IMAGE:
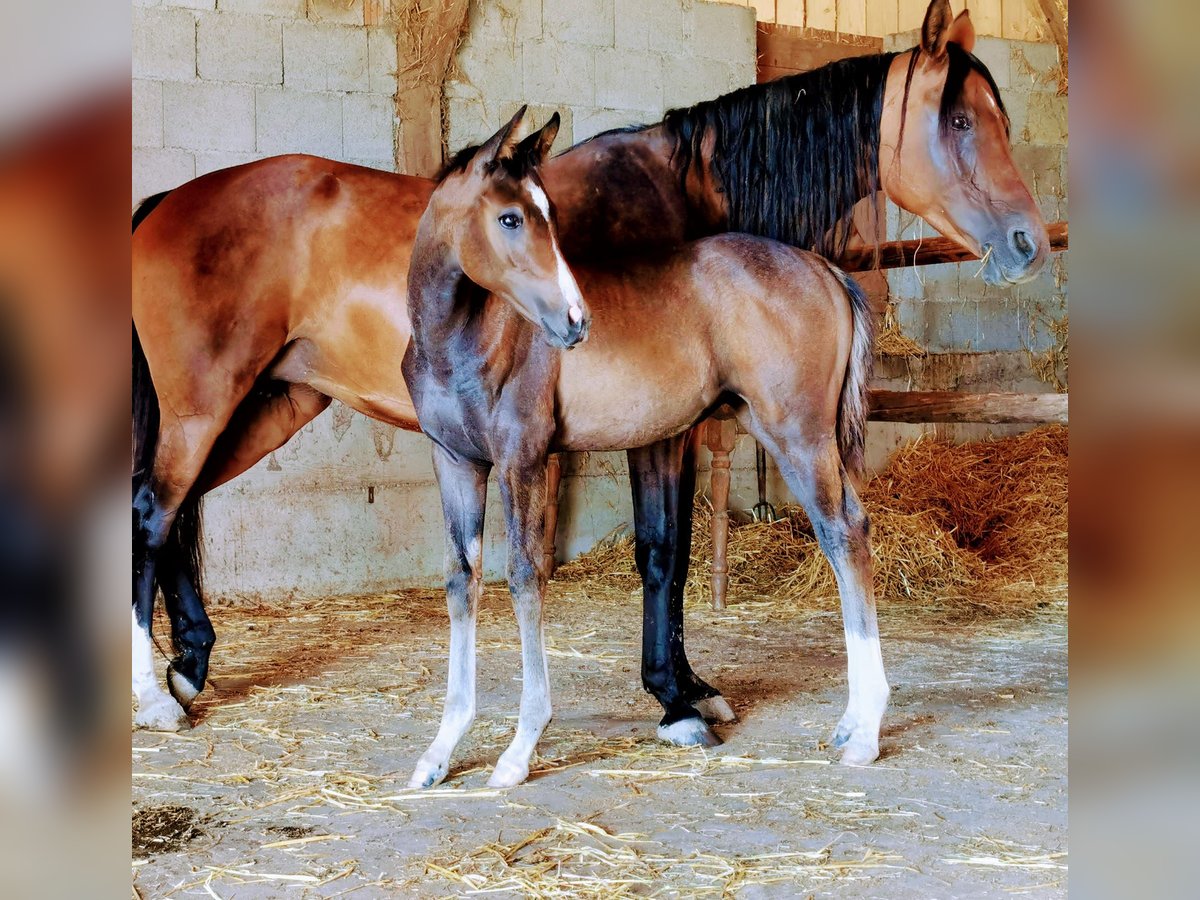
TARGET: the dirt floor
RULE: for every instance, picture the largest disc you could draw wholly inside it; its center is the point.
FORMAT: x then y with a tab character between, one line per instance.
293	782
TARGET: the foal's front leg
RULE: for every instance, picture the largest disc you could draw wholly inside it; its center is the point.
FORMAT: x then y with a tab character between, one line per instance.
523	486
463	486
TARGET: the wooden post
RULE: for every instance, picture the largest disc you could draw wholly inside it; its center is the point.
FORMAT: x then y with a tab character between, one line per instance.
553	480
719	436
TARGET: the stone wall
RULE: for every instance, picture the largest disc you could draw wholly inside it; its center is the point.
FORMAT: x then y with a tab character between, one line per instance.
216	84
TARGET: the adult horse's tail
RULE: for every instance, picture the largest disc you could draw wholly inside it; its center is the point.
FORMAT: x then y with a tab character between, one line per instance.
184	541
855	403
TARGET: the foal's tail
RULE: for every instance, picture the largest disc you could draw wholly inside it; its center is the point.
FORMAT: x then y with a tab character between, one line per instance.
855	403
185	540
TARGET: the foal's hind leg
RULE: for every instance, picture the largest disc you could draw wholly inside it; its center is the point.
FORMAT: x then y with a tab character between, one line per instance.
463	487
813	470
654	473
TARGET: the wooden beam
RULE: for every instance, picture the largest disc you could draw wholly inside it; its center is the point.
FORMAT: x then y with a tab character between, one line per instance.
953	406
930	251
1058	28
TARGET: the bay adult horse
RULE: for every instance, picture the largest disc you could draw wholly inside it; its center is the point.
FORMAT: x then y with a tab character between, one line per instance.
776	332
263	291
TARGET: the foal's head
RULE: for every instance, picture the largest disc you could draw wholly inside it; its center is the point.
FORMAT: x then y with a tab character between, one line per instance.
496	218
944	150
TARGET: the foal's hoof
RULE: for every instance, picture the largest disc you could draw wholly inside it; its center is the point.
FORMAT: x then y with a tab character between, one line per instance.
428	773
860	754
689	733
508	774
715	709
181	689
161	714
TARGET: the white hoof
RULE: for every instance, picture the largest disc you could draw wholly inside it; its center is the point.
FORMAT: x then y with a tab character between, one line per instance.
688	733
161	714
715	709
508	774
182	689
860	753
429	772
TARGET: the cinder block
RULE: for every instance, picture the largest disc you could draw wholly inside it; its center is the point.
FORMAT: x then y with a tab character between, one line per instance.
506	20
291	121
722	31
1047	122
208	116
995	53
537	116
658	25
1016	104
368	126
489	68
323	57
471	121
688	80
381	61
559	73
383	165
1039	166
590	122
292	8
1034	66
212	160
147	113
1037	320
579	23
629	79
160	169
234	47
164	44
901	40
343	12
186	4
999	325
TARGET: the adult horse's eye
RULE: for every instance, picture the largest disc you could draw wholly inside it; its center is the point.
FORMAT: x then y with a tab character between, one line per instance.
511	221
959	122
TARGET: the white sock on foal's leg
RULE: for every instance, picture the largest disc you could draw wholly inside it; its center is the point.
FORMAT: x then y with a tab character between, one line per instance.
157	710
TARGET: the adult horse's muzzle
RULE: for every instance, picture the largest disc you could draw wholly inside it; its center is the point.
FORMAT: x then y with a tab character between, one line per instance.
1017	254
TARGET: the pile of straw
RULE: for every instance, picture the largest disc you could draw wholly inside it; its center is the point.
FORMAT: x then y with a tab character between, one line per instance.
958	530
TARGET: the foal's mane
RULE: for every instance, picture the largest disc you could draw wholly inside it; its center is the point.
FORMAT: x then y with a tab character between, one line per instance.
794	155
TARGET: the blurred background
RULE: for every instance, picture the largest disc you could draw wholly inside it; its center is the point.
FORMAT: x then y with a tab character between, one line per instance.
64	215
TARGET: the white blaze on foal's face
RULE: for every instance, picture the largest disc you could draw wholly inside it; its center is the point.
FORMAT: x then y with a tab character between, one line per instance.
566	281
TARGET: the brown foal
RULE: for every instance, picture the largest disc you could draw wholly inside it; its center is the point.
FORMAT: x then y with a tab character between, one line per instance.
776	332
263	291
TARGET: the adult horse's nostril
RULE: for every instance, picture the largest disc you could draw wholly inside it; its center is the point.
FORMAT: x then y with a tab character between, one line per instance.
1023	244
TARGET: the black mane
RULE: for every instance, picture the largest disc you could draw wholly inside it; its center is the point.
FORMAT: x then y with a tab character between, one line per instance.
793	156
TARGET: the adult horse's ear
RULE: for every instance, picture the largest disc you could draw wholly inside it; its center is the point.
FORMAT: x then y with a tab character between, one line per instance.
935	30
503	144
962	31
537	146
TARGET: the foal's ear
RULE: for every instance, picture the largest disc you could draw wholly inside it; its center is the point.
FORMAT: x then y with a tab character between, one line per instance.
962	31
537	146
503	144
935	30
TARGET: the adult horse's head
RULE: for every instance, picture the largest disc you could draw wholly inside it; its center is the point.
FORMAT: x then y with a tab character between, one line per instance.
492	209
944	151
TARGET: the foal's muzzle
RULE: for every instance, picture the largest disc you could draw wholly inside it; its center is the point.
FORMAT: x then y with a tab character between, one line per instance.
566	334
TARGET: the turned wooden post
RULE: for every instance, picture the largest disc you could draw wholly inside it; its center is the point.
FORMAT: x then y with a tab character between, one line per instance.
719	435
553	480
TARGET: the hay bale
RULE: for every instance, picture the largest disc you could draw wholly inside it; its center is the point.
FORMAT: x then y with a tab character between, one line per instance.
959	530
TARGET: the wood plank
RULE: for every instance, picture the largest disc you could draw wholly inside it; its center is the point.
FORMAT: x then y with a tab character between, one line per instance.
955	406
988	16
930	251
911	14
851	16
1020	23
1054	19
882	17
821	14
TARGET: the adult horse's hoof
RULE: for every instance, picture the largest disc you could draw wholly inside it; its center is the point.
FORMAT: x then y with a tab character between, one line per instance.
689	733
181	689
715	709
857	754
161	714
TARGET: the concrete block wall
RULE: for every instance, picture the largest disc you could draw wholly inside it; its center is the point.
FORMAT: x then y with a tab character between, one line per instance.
221	82
602	64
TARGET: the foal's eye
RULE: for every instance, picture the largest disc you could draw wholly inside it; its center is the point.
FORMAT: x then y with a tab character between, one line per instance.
511	221
959	122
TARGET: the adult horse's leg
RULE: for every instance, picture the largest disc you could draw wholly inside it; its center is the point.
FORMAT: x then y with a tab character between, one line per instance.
463	486
704	697
813	470
655	475
523	487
